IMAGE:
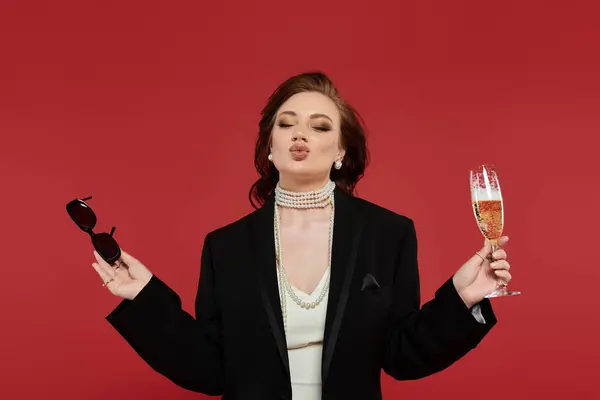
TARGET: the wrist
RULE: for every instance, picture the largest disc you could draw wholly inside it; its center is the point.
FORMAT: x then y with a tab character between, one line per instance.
462	293
137	288
469	304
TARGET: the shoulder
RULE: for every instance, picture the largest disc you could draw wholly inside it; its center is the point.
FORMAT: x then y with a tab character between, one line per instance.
383	218
232	229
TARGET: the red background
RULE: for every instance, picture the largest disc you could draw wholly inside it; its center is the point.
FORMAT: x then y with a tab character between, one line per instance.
152	108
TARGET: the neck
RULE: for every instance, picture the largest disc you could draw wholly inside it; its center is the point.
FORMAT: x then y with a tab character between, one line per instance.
298	185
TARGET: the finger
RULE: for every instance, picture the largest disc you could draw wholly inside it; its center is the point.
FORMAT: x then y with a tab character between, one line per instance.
104	275
106	267
481	255
120	264
102	262
499	255
135	268
502	241
504	275
110	273
500	265
128	258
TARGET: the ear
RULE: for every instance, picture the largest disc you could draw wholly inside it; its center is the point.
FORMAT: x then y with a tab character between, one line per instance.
341	154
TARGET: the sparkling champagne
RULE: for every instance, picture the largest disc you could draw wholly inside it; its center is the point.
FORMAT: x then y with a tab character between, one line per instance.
489	218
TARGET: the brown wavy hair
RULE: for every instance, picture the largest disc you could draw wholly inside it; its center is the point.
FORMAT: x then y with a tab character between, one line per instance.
352	136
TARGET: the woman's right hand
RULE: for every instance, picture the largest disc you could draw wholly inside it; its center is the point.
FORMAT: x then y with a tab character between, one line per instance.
126	279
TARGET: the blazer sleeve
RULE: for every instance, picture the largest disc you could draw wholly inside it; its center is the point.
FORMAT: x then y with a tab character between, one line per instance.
429	339
184	349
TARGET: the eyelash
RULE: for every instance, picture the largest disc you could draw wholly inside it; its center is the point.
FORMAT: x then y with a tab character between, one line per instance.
319	128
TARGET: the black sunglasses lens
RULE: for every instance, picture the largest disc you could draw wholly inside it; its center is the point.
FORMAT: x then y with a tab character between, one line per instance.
82	215
107	247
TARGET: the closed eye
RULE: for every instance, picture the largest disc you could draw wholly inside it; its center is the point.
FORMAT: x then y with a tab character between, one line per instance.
323	128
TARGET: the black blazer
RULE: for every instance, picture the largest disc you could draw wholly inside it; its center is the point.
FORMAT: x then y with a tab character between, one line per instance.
236	345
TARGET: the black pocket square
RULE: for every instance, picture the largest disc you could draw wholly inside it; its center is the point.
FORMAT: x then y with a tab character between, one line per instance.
369	283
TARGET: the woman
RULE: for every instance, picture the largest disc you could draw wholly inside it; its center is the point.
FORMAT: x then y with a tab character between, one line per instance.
316	291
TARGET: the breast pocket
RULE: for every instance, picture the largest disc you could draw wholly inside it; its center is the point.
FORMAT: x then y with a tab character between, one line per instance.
375	303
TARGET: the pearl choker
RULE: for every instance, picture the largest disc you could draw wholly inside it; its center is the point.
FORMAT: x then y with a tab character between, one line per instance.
314	199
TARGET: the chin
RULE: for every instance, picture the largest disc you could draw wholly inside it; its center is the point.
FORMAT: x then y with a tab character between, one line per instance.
300	170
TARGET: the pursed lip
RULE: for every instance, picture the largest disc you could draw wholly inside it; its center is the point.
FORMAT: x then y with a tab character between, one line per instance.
299	147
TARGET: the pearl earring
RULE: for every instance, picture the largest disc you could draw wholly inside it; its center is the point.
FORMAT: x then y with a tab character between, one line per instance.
337	164
270	157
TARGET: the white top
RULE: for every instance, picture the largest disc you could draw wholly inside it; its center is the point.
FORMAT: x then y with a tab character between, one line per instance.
305	329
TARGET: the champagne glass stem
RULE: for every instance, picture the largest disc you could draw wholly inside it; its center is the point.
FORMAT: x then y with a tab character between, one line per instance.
501	284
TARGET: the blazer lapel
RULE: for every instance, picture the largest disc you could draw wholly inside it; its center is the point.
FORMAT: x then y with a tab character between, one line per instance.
262	238
347	228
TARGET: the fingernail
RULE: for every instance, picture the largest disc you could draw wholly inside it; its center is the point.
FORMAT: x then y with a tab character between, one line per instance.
493	264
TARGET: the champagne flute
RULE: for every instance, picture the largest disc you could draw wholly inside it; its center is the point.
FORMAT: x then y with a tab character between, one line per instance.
486	198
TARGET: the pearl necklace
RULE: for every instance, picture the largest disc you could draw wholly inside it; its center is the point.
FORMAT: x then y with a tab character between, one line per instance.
304	200
314	199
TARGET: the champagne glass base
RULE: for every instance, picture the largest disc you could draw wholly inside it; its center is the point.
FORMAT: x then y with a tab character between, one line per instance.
502	292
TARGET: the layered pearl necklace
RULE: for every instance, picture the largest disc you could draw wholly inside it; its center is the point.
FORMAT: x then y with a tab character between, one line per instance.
301	200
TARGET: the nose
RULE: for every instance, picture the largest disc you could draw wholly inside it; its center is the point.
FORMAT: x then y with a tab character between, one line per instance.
298	135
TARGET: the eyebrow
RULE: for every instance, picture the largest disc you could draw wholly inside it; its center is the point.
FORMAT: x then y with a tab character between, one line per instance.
293	114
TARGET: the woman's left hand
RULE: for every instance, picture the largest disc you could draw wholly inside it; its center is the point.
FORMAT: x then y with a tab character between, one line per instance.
479	276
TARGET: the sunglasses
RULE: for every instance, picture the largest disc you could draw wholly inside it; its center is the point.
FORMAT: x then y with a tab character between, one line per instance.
84	217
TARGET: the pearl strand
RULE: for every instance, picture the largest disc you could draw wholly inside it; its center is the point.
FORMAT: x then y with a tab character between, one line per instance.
284	284
314	199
